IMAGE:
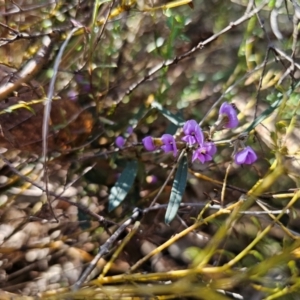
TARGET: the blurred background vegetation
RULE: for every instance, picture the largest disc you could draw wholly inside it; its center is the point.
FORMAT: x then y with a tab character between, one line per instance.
76	74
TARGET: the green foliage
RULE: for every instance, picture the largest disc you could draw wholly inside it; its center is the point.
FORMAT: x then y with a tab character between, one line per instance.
178	189
175	119
134	69
265	114
123	185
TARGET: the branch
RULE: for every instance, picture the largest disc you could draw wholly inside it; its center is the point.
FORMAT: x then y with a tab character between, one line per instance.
83	208
104	249
32	67
200	46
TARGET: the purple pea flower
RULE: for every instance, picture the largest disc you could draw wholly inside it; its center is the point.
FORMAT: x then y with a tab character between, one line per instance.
246	156
72	95
120	142
193	133
148	143
227	118
129	130
229	115
169	144
205	152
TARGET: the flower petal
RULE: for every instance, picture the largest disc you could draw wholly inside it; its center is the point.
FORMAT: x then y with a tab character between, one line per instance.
129	130
224	108
120	142
169	144
195	156
202	153
211	148
228	116
241	157
189	139
246	156
148	143
233	120
193	133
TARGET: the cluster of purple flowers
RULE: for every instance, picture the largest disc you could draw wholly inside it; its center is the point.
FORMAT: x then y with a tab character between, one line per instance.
204	149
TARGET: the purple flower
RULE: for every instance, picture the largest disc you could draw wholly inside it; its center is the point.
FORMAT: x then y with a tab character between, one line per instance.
148	143
246	156
210	148
169	144
129	130
205	152
120	142
193	133
73	95
227	116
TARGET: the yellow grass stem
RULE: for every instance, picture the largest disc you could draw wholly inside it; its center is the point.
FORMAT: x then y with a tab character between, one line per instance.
119	249
180	235
224	183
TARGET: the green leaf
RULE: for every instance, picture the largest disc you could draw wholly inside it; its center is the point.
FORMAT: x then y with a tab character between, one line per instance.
120	190
172	128
177	191
176	120
264	115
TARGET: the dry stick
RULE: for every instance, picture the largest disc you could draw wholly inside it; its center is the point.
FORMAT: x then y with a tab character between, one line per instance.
32	67
91	52
218	207
295	35
24	36
24	10
16	32
104	23
291	70
104	249
225	184
289	232
257	189
47	111
263	65
229	89
261	81
260	236
78	205
221	235
285	56
181	234
201	45
249	6
291	60
119	249
178	274
232	187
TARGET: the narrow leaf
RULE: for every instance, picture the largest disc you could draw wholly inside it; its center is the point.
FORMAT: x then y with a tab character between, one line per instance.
264	115
120	190
176	120
172	128
177	191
